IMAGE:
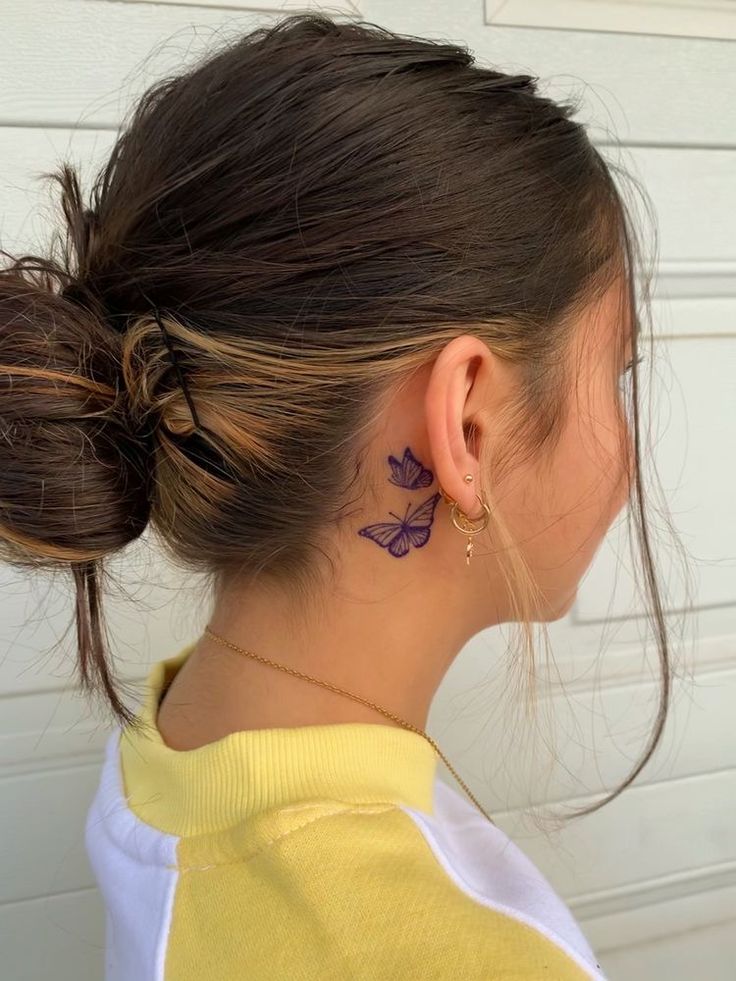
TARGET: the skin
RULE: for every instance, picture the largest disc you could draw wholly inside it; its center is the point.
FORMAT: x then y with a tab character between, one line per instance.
390	627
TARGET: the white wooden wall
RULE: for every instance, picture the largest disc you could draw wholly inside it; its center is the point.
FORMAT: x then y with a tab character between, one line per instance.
652	876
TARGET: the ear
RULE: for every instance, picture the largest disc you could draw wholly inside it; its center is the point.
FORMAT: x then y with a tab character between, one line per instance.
466	387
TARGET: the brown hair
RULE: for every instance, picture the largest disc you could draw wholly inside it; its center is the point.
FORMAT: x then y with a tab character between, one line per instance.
317	208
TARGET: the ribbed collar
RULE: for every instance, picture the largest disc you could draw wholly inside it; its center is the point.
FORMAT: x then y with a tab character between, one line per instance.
185	792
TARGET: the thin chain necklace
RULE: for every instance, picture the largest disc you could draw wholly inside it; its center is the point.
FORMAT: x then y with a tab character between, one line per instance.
357	698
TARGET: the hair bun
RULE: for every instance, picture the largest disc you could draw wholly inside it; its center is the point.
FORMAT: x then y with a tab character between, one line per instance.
74	480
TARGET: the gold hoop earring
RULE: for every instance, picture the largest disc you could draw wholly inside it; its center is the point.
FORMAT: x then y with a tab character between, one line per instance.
466	524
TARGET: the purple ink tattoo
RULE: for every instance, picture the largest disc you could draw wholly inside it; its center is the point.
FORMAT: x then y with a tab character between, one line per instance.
413	529
409	472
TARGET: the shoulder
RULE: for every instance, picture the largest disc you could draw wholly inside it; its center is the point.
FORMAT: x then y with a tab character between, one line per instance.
328	889
502	885
403	894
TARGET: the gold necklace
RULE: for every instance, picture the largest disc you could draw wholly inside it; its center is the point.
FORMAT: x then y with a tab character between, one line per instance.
357	698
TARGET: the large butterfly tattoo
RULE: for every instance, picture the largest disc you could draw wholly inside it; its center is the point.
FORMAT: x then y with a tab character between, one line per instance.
409	472
413	529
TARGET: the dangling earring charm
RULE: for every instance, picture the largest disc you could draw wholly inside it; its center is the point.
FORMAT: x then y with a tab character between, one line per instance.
465	524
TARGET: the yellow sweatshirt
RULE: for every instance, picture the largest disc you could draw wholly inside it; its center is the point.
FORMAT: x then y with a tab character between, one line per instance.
317	853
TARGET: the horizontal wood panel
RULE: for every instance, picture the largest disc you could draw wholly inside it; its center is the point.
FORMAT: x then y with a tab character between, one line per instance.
582	742
282	6
678	18
685	316
84	61
686	188
707	953
664	829
691	422
42	730
81	61
645	924
42	818
152	610
59	937
639	88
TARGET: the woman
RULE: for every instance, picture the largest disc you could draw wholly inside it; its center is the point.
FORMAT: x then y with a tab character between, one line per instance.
348	323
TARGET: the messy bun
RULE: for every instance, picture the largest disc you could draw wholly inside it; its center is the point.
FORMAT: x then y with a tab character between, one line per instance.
73	474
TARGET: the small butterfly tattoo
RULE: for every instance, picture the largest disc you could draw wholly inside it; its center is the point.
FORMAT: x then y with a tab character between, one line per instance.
409	472
413	529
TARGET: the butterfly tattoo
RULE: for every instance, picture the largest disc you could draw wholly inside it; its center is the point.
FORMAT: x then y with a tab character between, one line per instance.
409	472
413	529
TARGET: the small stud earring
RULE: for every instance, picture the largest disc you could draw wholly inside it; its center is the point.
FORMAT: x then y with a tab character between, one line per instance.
468	478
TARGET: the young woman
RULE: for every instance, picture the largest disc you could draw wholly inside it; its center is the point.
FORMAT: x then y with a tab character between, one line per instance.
348	322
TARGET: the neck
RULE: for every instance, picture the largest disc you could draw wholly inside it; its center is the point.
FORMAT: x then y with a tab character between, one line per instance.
391	649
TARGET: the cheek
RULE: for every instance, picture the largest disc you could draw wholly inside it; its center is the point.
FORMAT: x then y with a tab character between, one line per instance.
571	499
594	479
